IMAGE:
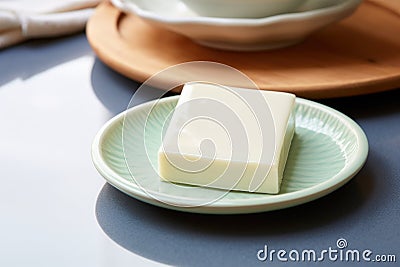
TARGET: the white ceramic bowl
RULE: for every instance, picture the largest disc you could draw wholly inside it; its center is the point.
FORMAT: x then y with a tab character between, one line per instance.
315	4
237	33
242	8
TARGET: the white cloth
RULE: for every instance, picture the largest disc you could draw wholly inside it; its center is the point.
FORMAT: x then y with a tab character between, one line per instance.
24	19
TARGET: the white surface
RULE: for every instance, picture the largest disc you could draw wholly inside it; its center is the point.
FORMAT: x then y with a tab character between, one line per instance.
49	185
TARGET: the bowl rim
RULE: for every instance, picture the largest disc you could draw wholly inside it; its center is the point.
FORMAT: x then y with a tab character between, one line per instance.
132	7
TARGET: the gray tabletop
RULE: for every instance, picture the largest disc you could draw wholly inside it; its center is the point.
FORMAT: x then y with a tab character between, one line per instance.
56	210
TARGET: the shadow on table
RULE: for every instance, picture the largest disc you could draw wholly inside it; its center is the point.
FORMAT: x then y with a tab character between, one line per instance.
367	106
116	91
112	89
179	238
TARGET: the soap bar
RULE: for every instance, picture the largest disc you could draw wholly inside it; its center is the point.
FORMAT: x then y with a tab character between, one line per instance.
228	138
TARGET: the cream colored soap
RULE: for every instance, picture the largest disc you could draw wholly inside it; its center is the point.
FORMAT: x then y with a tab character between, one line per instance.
228	138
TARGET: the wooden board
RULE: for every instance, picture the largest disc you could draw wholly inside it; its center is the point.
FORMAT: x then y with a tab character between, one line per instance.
359	55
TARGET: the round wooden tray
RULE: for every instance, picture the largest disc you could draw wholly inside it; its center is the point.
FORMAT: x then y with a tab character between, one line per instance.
359	55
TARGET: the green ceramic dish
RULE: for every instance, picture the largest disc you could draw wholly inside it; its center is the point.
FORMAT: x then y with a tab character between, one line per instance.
328	149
